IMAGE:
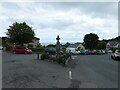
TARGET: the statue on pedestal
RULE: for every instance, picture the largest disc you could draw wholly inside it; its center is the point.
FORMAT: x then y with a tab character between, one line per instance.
58	45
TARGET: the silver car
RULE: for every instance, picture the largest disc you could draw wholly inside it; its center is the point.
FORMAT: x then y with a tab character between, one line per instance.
116	55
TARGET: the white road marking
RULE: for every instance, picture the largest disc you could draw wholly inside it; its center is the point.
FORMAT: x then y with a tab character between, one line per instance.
70	76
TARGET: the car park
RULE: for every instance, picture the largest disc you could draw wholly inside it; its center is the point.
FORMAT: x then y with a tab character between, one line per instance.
21	50
116	55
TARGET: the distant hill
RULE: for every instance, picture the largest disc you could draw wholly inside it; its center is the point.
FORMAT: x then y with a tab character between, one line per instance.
113	39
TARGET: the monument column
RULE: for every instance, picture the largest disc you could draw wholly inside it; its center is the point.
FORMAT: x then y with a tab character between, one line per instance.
58	45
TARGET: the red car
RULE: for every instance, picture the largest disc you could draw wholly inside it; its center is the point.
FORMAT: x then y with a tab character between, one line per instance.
21	50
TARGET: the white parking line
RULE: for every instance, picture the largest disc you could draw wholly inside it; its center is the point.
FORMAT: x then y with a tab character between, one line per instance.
70	76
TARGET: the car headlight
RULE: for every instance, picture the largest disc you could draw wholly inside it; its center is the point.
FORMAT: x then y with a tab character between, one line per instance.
116	55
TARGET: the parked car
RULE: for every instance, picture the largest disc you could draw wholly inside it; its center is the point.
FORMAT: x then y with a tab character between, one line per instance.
51	50
116	55
100	52
76	52
92	52
21	50
84	52
104	51
109	51
73	51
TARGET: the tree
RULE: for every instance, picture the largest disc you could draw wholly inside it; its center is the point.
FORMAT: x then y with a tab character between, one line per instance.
66	44
50	45
20	33
113	39
6	41
91	41
101	45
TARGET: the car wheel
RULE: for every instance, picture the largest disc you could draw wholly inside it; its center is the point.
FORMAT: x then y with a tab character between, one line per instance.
112	57
115	58
25	52
14	52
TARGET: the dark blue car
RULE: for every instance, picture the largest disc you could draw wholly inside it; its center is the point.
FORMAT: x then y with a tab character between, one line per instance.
84	52
50	50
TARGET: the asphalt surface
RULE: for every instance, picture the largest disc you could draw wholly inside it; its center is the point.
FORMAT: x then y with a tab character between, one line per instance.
98	71
0	69
83	71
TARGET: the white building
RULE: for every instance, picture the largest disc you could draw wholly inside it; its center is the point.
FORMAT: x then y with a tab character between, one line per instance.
112	44
35	42
74	47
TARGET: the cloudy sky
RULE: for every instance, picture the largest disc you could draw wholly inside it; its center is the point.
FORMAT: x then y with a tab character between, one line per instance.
70	20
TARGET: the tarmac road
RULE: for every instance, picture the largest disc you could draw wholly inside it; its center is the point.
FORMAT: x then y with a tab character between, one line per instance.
0	69
96	71
84	71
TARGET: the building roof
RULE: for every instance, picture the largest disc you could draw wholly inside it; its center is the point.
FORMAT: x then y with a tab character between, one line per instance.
74	45
113	43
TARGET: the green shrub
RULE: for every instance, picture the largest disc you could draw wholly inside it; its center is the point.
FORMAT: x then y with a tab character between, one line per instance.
38	49
63	49
44	56
38	46
8	48
114	48
67	55
52	57
30	46
60	59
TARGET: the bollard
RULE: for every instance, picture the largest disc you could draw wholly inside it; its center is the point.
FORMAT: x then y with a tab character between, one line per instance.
70	56
64	63
38	56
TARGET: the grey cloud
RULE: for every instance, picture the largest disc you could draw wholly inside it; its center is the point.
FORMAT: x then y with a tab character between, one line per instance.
58	24
99	9
10	6
49	20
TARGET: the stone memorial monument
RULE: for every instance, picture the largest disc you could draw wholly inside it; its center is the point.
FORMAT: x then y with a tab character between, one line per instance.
58	45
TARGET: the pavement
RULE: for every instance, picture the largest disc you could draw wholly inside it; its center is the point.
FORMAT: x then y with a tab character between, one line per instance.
83	71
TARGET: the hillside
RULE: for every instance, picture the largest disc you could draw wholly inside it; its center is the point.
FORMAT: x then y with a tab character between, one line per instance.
113	39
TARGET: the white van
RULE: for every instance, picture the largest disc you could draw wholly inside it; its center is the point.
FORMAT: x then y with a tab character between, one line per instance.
72	50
